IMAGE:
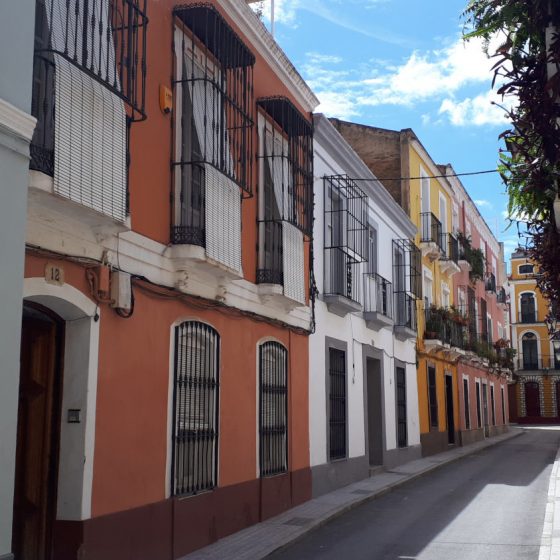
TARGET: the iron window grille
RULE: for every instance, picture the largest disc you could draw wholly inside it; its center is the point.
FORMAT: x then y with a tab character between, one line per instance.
285	158
466	404
345	236
273	408
337	404
478	406
402	435
407	281
485	334
501	295
471	314
432	397
430	229
492	404
450	246
195	405
213	86
378	294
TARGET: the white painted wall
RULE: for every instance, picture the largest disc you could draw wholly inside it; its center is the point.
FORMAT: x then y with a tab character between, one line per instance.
352	329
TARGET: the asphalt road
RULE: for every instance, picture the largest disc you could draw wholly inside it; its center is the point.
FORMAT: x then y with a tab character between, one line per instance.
487	506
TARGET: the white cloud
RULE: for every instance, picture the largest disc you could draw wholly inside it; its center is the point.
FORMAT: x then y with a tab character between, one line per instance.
478	110
484	203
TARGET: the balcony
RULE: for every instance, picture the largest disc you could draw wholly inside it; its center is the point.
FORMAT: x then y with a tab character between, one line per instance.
378	301
528	316
430	236
464	263
449	261
490	283
342	283
534	363
445	330
501	296
405	316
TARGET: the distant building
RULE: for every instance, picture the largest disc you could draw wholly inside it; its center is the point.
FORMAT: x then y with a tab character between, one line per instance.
535	395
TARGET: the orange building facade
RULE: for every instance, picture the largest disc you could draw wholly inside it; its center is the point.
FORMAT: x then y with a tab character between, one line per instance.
167	289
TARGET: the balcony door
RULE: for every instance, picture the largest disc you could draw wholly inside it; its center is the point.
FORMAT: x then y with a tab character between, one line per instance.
528	308
529	346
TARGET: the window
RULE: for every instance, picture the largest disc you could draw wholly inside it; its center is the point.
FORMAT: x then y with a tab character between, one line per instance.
444	295
424	191
432	397
337	404
526	269
455	218
407	278
346	234
195	397
492	404
528	313
466	404
273	412
443	213
530	351
371	250
402	437
286	195
478	406
213	154
427	289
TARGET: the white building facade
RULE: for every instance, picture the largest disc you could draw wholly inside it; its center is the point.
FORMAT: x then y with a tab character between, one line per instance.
363	409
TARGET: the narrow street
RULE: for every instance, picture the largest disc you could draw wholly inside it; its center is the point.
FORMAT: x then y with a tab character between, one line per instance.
489	505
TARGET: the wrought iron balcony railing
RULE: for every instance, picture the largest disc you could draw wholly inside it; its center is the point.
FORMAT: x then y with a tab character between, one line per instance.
342	276
450	247
501	295
405	311
445	328
430	229
378	295
528	316
490	283
534	363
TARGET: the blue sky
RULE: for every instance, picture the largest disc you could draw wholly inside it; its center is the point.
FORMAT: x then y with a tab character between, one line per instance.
402	64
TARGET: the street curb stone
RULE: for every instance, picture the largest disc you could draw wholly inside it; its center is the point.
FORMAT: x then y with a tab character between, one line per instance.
263	539
550	540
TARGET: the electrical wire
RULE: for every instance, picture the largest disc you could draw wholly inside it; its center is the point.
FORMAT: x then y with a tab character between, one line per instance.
467	173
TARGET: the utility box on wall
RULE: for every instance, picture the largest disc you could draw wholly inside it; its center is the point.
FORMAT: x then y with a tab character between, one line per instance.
121	292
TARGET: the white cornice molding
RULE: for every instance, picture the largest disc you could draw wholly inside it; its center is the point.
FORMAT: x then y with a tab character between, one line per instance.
16	122
253	28
336	146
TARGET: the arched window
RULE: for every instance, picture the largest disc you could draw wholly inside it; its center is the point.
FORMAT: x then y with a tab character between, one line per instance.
529	344
528	308
195	398
526	269
273	408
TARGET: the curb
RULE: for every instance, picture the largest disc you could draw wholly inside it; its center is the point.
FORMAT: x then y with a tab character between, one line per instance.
469	450
265	550
550	541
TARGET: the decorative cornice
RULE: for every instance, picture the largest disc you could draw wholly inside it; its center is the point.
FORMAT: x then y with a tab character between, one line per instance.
254	29
336	146
16	122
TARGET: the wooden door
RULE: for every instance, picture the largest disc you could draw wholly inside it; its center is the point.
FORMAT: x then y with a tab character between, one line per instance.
532	399
37	437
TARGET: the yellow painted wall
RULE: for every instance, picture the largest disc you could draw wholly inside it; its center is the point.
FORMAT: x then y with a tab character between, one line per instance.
442	365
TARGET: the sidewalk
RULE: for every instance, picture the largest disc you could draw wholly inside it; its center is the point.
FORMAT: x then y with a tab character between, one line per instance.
262	539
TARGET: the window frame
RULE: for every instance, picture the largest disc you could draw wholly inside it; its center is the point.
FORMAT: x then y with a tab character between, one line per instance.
341	420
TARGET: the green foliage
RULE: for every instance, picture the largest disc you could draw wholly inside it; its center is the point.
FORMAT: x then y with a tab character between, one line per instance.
529	161
475	257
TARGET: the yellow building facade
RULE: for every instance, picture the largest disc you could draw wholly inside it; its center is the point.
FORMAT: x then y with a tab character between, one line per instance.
536	393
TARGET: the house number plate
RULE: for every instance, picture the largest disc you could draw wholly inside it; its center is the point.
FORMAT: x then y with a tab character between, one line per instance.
54	274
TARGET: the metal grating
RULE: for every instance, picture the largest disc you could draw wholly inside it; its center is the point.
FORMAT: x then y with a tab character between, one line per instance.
105	39
195	405
466	404
337	404
402	433
273	409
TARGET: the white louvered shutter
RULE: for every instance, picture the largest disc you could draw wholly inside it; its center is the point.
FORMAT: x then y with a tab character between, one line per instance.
90	122
223	219
293	263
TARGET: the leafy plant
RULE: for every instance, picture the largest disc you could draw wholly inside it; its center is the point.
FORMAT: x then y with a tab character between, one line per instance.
475	257
529	162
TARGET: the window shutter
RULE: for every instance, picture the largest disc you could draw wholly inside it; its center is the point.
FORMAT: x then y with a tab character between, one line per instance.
223	219
293	263
90	142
